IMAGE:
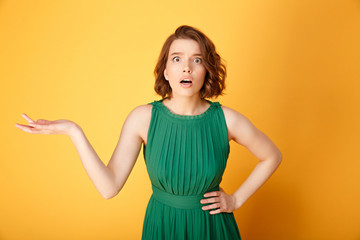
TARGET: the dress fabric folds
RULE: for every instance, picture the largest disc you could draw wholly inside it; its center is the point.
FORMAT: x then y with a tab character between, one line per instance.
185	157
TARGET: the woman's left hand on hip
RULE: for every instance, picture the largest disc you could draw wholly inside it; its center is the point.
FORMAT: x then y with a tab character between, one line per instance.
221	200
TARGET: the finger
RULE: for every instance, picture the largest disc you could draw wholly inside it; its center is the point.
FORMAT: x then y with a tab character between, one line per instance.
210	200
215	211
39	126
21	125
212	206
27	118
32	128
27	128
211	194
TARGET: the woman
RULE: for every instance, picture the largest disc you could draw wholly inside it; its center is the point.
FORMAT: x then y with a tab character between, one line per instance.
186	145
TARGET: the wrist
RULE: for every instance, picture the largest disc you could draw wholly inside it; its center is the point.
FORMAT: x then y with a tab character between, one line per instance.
237	201
74	131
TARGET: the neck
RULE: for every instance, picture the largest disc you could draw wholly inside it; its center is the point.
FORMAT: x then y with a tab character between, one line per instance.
186	105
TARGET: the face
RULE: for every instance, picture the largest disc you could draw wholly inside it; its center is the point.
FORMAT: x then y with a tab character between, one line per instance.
185	61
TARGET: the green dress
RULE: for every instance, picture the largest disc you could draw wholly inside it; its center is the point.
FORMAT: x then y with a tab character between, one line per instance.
185	157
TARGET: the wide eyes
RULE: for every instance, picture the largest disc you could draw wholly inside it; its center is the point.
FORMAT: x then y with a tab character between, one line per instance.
196	60
175	59
199	60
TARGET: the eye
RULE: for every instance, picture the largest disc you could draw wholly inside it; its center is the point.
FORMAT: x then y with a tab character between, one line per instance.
199	60
174	59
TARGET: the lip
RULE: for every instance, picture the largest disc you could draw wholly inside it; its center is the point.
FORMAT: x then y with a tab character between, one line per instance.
186	77
186	85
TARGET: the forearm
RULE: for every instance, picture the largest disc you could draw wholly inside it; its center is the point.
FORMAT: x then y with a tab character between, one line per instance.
100	175
261	173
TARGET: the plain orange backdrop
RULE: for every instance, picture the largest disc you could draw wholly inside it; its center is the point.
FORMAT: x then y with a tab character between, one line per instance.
293	70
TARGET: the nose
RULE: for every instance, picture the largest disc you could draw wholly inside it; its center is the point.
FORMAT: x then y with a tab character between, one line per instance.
186	68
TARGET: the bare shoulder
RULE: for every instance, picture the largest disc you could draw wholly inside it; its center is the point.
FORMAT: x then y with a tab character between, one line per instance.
141	115
232	116
243	131
239	126
142	111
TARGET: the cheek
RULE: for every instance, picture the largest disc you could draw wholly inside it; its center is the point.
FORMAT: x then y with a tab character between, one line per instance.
203	72
202	69
172	69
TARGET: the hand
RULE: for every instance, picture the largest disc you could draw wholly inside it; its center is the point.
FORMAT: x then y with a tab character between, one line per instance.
43	126
221	200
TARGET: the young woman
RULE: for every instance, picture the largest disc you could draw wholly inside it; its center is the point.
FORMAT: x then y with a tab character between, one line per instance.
185	141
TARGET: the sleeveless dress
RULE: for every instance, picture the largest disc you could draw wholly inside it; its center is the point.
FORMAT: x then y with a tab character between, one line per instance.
185	157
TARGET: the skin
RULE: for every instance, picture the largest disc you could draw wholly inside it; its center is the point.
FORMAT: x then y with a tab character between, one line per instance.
184	61
110	179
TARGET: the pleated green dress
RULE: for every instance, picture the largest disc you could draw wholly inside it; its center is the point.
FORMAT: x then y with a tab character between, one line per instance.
185	157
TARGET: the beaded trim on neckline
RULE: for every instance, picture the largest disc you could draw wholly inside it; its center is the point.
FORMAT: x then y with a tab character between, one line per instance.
207	111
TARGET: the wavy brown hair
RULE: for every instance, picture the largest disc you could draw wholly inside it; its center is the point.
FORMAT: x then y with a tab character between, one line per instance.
214	83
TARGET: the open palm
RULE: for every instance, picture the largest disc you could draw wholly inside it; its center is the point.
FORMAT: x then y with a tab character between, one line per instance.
42	126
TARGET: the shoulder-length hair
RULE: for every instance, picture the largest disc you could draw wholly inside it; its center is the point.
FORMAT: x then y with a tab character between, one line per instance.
214	83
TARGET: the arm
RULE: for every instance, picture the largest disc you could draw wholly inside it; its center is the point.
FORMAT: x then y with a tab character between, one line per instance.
242	131
110	179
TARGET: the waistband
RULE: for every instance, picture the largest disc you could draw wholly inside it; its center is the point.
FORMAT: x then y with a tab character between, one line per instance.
180	201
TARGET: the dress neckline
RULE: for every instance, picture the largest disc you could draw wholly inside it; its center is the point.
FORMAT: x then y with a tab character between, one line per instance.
178	116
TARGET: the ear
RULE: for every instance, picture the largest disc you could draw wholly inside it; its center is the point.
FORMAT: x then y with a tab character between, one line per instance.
165	75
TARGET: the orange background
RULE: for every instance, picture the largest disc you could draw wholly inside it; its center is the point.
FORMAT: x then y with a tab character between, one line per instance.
293	70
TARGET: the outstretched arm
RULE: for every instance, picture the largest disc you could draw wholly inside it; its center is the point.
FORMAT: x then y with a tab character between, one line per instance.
110	179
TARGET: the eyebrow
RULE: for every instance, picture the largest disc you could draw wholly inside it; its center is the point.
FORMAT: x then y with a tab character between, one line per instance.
181	53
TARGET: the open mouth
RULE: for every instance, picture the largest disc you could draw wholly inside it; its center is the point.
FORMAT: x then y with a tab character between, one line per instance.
186	83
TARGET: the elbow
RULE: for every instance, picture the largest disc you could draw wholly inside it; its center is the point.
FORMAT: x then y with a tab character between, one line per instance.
279	158
276	159
109	195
